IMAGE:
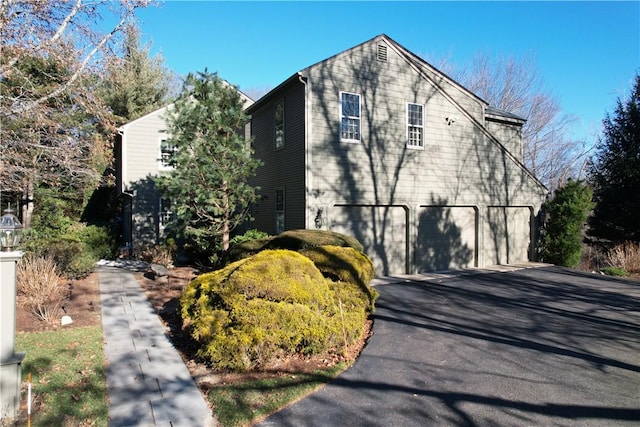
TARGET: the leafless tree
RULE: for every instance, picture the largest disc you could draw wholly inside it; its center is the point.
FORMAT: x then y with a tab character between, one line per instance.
50	121
514	84
65	31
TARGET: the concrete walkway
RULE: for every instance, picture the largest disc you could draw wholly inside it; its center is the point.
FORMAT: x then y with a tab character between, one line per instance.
147	381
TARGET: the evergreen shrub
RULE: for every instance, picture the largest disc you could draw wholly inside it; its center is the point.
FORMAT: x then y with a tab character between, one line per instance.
562	231
249	235
349	270
273	304
97	240
75	252
614	271
294	240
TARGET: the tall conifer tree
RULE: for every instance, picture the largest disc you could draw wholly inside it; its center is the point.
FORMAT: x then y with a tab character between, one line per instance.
136	83
615	174
212	161
567	215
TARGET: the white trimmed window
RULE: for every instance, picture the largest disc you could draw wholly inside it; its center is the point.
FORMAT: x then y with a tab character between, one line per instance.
349	117
166	212
279	124
166	151
279	210
415	125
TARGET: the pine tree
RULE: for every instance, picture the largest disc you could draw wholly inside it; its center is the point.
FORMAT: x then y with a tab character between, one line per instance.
614	174
135	83
567	214
212	161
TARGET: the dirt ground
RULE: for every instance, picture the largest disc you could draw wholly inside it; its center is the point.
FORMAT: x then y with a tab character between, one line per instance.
83	306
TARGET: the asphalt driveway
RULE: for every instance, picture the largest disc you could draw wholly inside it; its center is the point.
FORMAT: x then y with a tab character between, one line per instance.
534	347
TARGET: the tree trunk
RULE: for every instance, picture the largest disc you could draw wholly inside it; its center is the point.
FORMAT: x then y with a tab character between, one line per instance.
27	204
225	220
225	235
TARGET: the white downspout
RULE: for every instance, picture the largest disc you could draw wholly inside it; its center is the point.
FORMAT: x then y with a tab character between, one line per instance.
308	216
123	158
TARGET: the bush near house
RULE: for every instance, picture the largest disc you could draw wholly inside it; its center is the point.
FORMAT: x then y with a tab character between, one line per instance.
562	231
40	288
75	250
349	271
294	240
278	303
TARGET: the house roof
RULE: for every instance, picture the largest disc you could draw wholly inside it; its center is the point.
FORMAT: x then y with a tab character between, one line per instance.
415	59
493	111
247	101
407	54
295	77
125	126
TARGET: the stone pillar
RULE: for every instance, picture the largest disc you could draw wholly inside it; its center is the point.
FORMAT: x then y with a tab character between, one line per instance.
10	361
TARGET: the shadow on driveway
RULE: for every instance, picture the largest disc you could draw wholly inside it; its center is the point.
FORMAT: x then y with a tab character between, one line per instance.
538	346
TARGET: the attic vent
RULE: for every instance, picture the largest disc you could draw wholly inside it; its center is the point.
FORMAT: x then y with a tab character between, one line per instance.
382	53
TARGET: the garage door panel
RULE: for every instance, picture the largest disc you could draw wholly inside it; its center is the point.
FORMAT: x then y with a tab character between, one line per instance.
507	235
446	238
382	230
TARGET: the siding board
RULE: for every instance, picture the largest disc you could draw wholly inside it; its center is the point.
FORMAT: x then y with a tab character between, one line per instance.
461	170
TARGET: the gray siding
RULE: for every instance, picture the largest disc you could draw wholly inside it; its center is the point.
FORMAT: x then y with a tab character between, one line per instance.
461	169
283	167
141	147
140	154
463	200
509	135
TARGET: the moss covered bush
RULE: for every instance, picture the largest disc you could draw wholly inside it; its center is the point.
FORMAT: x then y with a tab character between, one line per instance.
350	271
273	304
294	240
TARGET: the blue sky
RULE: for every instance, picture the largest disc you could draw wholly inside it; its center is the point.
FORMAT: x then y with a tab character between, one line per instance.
587	52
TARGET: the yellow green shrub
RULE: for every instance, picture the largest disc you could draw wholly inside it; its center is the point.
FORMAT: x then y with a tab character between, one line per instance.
294	240
272	304
350	270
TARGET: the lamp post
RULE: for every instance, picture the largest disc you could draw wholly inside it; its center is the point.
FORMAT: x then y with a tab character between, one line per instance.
10	361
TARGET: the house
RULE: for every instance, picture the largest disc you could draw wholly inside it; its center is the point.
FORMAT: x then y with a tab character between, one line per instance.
142	153
376	143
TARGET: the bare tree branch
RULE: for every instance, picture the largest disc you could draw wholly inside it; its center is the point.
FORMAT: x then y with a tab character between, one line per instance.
514	85
54	130
61	30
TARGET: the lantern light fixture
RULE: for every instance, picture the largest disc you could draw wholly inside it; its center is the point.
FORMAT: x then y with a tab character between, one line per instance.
10	230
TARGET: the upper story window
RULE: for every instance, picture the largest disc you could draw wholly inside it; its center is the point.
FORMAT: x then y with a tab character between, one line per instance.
349	117
167	151
415	125
279	124
279	210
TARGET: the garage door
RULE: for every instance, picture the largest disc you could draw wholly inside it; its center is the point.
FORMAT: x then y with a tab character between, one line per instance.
507	235
382	230
446	238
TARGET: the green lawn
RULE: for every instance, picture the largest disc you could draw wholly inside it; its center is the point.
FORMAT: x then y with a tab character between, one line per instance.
68	378
244	403
67	370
